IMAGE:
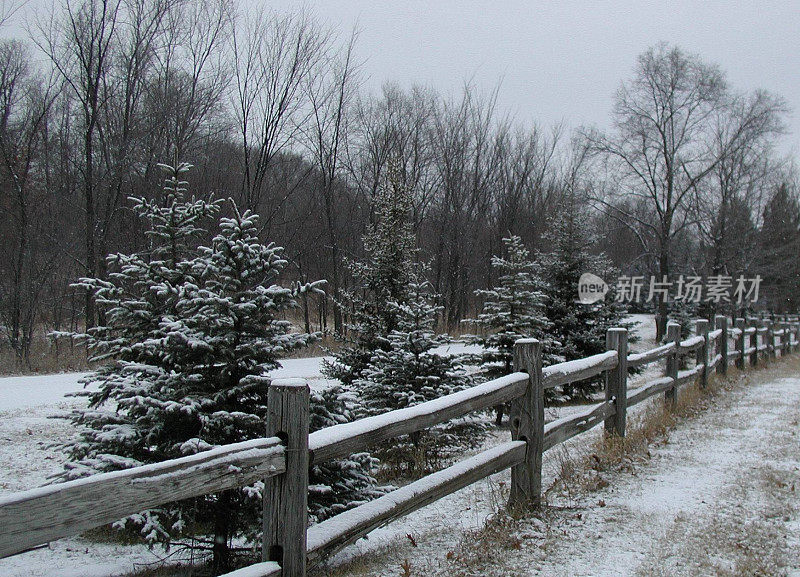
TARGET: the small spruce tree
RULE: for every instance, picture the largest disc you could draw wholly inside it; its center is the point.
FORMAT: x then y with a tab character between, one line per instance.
388	361
190	333
578	329
513	309
382	277
338	485
408	372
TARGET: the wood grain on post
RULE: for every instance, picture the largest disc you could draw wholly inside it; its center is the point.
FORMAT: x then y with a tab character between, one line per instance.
754	346
673	336
740	324
785	339
701	328
797	335
527	424
617	381
770	339
721	322
784	331
286	496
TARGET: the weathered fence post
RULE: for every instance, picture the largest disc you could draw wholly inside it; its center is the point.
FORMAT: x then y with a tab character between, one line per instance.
673	336
527	424
741	324
701	329
617	381
721	322
285	515
784	339
784	329
770	339
754	345
796	332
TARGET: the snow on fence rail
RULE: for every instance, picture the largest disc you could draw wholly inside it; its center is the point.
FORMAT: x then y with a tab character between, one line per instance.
282	459
36	516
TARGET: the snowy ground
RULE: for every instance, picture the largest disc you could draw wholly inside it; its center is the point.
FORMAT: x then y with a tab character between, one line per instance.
718	499
644	327
32	420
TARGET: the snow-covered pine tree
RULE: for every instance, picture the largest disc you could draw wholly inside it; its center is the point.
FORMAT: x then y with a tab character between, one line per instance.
190	333
513	309
335	486
684	313
383	276
407	373
578	329
388	361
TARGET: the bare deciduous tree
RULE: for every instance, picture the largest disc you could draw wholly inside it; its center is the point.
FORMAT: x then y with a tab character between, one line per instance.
79	42
25	100
660	148
729	202
330	95
274	58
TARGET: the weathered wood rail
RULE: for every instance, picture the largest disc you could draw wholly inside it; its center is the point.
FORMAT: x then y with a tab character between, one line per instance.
282	458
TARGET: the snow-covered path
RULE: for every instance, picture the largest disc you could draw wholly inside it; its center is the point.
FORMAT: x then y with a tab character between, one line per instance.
720	498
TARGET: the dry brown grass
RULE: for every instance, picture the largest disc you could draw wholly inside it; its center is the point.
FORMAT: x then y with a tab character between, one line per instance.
44	359
583	470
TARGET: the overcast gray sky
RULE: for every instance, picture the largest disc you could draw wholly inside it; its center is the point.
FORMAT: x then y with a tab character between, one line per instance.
563	60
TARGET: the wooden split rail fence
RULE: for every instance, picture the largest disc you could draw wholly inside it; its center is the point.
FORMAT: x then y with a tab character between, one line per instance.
282	459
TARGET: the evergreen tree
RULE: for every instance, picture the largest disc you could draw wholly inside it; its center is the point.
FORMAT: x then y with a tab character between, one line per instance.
338	485
779	245
684	313
407	373
382	277
513	309
388	361
578	330
190	333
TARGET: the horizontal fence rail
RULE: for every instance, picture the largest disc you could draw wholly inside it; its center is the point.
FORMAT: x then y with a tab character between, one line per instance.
331	535
348	438
282	458
647	357
578	370
563	429
51	512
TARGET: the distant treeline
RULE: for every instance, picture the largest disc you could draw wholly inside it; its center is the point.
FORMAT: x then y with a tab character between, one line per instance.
269	107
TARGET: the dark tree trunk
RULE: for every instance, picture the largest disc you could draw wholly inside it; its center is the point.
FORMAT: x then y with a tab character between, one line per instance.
221	562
